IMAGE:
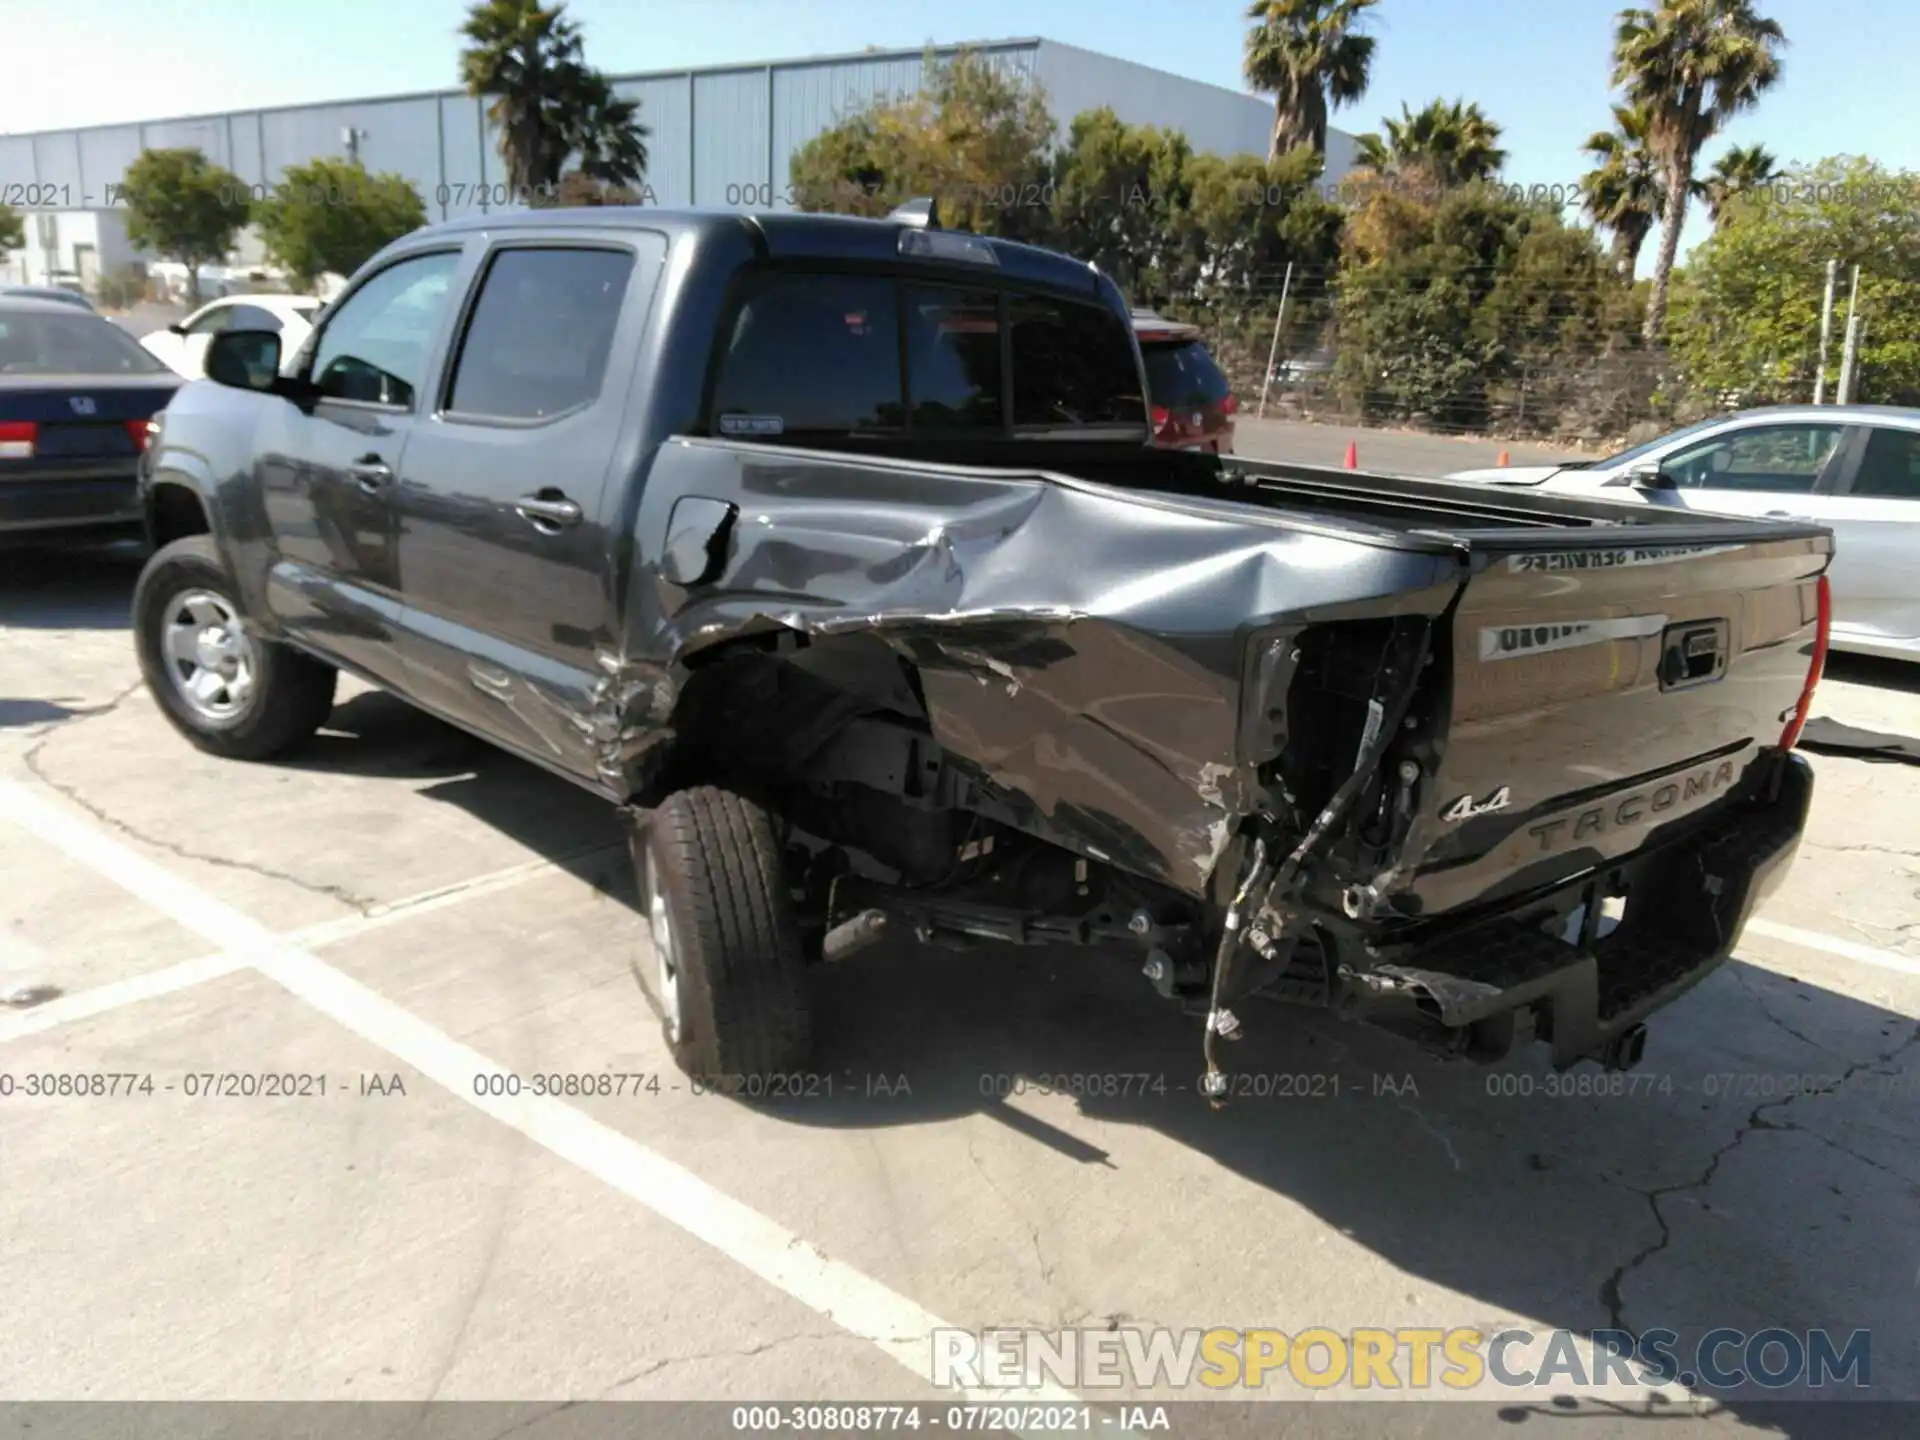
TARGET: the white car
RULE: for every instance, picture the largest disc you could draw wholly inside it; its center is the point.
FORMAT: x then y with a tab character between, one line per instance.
183	347
1853	468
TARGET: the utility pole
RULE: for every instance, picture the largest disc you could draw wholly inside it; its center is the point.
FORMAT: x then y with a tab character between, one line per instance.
1826	334
1273	350
1850	357
1852	339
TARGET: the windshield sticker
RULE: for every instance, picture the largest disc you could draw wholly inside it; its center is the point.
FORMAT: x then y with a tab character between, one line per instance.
752	425
1557	560
1510	642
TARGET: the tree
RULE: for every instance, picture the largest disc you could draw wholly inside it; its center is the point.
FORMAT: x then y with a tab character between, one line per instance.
1119	192
1746	308
332	216
1443	145
13	231
1693	65
1309	55
1475	307
1246	219
548	103
607	135
1742	169
1623	193
976	138
183	208
577	188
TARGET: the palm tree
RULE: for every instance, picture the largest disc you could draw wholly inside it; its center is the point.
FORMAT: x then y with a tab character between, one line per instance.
607	135
1742	168
1693	65
1308	54
1623	193
1447	145
528	58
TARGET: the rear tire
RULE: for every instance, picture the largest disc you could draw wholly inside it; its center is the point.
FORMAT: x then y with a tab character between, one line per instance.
726	966
273	698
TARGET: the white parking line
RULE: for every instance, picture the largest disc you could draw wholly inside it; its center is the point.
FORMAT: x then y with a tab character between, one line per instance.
855	1302
1834	945
86	1004
858	1304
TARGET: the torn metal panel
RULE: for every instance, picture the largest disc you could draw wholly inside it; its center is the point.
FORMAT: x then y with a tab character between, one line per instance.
1082	651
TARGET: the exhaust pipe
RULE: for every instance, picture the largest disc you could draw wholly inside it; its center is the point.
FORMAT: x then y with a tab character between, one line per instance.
1624	1051
850	937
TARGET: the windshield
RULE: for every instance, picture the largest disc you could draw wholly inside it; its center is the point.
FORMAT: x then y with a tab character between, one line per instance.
50	343
1659	442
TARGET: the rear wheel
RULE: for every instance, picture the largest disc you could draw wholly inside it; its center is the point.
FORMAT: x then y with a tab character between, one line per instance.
225	688
726	967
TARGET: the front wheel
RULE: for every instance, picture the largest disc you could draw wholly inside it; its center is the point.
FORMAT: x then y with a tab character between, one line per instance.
225	688
726	966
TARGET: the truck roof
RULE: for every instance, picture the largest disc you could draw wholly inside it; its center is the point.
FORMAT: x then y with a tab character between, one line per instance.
782	235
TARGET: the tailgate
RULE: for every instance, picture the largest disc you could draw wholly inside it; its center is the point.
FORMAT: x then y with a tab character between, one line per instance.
1604	695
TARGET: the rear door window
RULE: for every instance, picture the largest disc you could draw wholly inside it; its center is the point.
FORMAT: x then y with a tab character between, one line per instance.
811	354
1890	469
1072	366
541	331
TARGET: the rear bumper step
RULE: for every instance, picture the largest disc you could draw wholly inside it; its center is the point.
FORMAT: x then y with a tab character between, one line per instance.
1500	981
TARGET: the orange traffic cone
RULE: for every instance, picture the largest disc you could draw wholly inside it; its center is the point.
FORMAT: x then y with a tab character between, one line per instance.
1353	456
1505	459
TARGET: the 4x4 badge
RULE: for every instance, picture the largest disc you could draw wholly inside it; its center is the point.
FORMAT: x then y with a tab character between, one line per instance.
1466	807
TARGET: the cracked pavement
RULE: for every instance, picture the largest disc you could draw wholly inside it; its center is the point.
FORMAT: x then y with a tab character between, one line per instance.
1761	1168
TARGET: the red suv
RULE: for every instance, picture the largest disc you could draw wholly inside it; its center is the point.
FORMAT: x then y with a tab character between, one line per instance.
1193	405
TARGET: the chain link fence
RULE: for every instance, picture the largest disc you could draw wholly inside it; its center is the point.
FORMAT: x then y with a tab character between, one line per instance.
1561	364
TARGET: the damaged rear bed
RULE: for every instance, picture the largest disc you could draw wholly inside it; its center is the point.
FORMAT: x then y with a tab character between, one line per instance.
1381	744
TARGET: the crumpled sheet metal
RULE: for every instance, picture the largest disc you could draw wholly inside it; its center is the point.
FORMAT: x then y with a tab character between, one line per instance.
1081	649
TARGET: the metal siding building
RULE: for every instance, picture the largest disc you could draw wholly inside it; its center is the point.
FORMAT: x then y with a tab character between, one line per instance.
720	137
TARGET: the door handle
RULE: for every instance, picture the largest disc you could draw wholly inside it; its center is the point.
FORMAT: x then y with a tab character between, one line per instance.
1786	515
371	472
548	512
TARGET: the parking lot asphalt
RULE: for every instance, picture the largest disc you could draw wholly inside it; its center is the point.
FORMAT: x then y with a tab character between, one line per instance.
1391	452
409	918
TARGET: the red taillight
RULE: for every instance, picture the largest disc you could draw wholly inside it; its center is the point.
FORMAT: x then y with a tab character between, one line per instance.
1790	736
142	432
1160	417
17	438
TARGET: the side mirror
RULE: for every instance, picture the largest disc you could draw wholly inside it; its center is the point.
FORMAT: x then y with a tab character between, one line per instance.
1650	476
244	359
176	328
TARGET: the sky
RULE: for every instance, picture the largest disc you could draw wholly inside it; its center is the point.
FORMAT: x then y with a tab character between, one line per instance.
1537	67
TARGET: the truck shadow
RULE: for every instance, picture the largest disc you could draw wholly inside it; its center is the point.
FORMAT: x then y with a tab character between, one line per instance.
1702	1190
77	588
1897	675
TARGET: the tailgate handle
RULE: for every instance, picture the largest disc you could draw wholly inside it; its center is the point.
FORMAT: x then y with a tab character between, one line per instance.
1694	653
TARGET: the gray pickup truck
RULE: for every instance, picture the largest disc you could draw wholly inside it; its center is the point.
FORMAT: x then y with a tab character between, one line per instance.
836	554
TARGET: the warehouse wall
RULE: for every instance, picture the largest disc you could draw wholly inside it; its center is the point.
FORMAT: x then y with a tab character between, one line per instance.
720	137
